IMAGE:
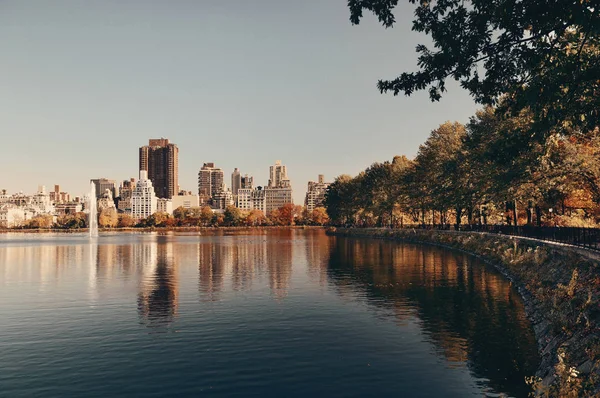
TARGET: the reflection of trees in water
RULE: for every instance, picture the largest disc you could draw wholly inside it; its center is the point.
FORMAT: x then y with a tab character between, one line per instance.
318	247
210	270
157	299
470	312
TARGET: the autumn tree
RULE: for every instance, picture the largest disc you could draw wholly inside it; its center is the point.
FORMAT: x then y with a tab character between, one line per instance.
40	221
285	215
108	218
580	157
72	221
125	221
255	218
319	216
158	219
206	216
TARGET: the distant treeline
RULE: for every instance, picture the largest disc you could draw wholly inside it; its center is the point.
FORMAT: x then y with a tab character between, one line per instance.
287	215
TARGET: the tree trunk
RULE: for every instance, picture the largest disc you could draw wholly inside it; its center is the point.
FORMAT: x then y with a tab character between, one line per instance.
538	216
514	208
507	208
458	217
470	215
529	213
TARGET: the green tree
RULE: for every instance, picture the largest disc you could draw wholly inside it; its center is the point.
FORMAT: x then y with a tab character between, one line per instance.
180	213
340	200
439	181
72	221
232	216
542	55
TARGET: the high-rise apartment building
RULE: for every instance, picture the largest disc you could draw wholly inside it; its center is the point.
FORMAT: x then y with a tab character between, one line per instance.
106	201
57	196
160	159
41	201
251	199
222	199
143	198
315	194
185	200
277	197
210	182
279	191
102	184
278	176
164	205
125	192
236	181
247	182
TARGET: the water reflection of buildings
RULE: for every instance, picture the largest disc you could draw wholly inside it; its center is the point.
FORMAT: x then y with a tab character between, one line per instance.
158	295
38	263
279	262
318	247
244	260
210	270
470	312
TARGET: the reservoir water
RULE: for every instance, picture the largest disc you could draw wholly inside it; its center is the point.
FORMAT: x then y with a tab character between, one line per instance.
278	313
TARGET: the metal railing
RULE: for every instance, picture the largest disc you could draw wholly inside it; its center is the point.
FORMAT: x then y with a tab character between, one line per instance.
588	238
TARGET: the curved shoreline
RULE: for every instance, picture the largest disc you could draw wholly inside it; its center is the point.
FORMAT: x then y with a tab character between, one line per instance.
561	291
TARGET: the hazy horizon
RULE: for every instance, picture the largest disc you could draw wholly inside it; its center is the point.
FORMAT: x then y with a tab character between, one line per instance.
238	84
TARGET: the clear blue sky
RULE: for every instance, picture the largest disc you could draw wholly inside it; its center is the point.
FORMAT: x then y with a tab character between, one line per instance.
236	82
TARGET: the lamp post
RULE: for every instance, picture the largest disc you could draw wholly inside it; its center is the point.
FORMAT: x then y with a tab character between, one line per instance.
551	218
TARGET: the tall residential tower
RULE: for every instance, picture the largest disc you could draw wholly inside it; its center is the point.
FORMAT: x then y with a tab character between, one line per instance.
236	181
279	191
278	176
161	160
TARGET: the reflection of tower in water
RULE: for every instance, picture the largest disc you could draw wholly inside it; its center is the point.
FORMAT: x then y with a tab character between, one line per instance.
210	271
242	270
279	263
157	300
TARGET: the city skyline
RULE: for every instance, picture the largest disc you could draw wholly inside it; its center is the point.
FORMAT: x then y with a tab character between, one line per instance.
231	83
117	181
